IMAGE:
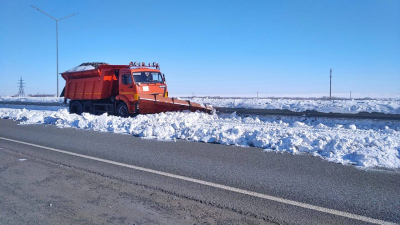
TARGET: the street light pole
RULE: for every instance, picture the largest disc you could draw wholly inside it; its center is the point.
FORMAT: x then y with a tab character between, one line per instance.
330	86
56	33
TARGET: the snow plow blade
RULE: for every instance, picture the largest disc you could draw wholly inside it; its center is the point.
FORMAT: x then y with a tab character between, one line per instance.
149	104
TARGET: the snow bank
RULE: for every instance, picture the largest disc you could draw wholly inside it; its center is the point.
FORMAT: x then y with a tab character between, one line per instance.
336	106
364	143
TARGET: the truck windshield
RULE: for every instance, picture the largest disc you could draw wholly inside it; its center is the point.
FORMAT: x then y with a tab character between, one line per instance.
147	77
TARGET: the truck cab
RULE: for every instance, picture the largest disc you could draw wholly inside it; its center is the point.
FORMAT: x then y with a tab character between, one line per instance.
134	82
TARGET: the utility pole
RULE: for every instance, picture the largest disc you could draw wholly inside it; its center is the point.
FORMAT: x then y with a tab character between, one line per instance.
330	86
257	94
21	92
56	33
350	95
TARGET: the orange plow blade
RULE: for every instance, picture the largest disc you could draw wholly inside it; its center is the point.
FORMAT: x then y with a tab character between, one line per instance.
148	104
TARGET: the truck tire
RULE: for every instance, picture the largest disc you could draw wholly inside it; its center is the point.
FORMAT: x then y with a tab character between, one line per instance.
88	107
122	110
75	107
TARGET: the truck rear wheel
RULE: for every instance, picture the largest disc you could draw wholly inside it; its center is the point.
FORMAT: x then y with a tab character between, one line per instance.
88	107
122	110
75	107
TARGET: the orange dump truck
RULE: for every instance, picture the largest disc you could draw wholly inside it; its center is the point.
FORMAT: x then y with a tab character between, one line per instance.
122	90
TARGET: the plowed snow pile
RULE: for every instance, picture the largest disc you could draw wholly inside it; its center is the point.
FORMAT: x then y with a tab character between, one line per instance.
363	143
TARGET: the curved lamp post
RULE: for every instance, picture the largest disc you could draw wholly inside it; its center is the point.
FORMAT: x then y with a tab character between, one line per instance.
56	33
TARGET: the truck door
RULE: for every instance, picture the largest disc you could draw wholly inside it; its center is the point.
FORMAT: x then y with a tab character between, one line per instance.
126	86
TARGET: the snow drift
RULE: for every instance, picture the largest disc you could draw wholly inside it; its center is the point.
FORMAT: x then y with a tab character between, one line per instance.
364	143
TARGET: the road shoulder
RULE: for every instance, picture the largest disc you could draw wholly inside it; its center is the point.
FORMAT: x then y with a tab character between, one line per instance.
34	191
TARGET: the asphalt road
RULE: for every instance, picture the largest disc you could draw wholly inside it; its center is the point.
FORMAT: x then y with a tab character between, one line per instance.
303	179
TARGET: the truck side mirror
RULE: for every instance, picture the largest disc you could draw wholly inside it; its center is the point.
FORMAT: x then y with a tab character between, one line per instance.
163	77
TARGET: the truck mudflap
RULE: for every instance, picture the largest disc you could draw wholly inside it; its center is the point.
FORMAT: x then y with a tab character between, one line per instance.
148	104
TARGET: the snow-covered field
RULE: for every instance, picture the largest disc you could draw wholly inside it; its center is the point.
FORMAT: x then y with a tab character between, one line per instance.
364	143
345	95
33	99
335	106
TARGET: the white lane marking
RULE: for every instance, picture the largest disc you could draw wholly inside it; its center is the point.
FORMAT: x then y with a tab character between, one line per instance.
220	186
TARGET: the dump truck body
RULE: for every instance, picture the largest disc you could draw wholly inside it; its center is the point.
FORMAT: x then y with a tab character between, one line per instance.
100	83
122	90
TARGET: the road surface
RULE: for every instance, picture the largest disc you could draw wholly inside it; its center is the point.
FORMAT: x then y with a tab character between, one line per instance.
77	176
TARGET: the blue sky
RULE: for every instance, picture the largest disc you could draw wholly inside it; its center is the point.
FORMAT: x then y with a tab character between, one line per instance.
210	47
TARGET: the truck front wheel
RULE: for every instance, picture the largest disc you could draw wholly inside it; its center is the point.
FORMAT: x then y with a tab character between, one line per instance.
75	107
122	110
